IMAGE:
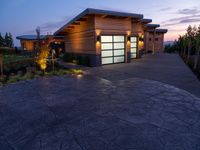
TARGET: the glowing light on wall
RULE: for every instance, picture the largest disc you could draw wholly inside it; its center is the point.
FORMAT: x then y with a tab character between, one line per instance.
141	40
98	32
128	33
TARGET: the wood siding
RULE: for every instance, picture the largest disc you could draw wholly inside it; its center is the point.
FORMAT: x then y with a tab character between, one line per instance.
119	26
81	39
159	43
27	45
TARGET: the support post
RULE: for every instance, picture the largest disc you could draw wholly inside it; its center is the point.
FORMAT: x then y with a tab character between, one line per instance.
1	64
154	35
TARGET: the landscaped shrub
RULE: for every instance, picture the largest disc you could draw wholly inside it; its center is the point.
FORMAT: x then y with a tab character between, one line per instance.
74	58
16	66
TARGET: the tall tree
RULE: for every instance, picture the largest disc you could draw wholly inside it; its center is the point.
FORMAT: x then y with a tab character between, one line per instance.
38	46
197	50
185	44
10	44
191	36
180	44
7	40
1	40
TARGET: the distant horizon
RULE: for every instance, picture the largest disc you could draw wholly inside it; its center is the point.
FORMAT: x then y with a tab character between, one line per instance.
23	16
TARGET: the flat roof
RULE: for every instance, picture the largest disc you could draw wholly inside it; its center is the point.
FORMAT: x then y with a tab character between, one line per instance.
101	12
34	37
152	25
146	20
159	30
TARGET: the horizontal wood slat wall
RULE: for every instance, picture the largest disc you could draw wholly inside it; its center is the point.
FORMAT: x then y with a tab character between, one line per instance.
81	39
159	45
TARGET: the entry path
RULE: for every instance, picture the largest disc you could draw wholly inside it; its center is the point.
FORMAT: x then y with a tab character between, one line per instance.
166	68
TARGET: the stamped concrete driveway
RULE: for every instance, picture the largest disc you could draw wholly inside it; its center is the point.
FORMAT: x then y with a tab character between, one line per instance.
166	68
94	113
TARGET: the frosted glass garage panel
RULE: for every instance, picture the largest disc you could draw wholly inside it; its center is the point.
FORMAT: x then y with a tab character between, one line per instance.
133	50
106	38
118	52
118	59
106	53
106	46
107	60
118	45
133	55
133	44
118	38
133	39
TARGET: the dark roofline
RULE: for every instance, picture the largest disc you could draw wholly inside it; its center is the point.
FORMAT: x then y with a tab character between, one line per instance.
159	30
34	37
29	37
152	25
146	20
103	12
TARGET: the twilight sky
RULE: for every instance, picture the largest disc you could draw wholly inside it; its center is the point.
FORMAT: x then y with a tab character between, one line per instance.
22	16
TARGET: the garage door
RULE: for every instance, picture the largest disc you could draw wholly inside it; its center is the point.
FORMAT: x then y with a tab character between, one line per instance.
133	47
112	49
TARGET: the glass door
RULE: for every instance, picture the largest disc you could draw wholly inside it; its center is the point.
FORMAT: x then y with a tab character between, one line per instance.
112	49
134	47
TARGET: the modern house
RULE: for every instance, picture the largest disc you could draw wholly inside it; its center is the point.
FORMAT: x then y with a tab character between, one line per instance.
29	42
108	37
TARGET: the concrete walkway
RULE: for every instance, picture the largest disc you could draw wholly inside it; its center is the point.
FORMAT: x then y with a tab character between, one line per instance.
166	68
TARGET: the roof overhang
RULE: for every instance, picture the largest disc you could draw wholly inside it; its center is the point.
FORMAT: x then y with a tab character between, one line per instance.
152	26
34	37
145	21
91	11
159	30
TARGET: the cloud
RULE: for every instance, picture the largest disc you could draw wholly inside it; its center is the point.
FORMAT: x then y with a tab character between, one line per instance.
166	9
183	19
190	20
189	11
51	26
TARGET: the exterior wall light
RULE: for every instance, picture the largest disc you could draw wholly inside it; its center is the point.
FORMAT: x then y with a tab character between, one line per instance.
141	39
98	38
129	38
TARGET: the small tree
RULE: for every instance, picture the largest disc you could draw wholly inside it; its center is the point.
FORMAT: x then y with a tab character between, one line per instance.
42	57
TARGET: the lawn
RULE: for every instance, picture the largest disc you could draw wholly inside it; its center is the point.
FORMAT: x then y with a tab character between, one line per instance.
13	58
